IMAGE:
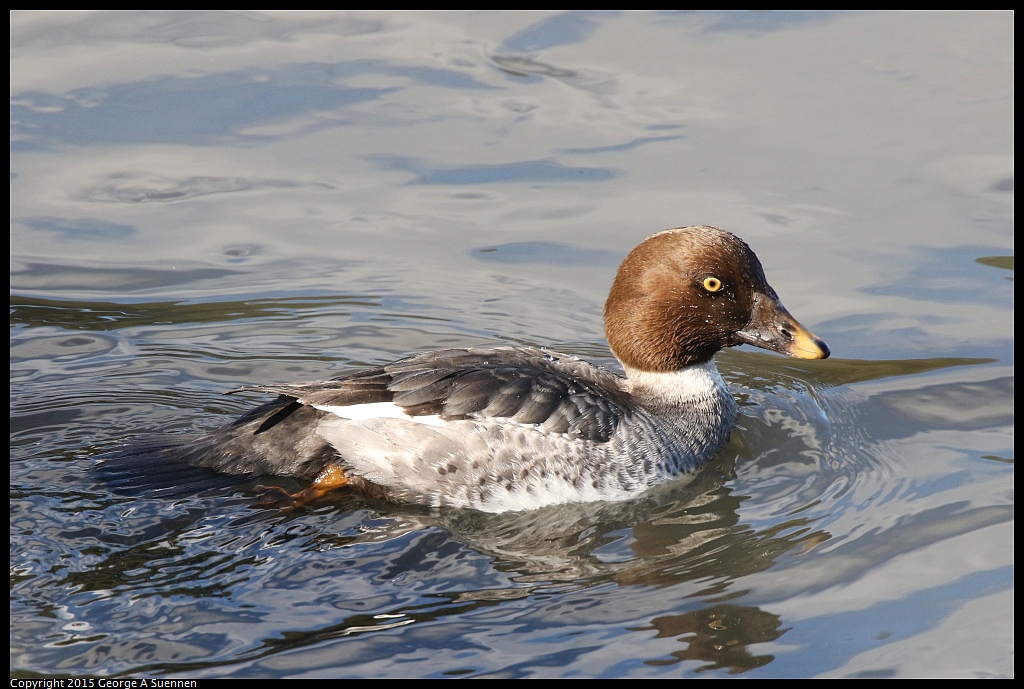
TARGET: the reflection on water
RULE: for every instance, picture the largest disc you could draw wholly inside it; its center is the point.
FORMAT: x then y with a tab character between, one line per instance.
807	448
203	201
718	636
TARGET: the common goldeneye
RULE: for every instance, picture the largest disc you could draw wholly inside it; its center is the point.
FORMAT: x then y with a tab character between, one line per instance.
514	428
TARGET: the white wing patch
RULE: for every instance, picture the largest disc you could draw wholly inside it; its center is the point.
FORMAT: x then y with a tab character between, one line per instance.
379	410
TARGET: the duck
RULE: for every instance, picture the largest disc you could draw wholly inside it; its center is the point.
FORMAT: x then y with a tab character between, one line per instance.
511	428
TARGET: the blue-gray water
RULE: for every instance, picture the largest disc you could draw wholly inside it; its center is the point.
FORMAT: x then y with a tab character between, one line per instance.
203	201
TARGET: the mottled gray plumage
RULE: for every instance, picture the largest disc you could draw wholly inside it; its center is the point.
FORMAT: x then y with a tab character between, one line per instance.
564	409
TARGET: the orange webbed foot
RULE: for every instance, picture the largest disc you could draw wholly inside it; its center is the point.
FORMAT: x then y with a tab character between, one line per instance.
331	478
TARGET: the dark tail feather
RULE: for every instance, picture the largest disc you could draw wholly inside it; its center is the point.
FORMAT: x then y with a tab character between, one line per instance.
275	439
161	469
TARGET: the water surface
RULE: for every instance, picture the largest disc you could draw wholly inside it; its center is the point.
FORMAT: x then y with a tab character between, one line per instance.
204	201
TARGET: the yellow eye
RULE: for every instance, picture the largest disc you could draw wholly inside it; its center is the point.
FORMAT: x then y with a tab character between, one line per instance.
712	284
